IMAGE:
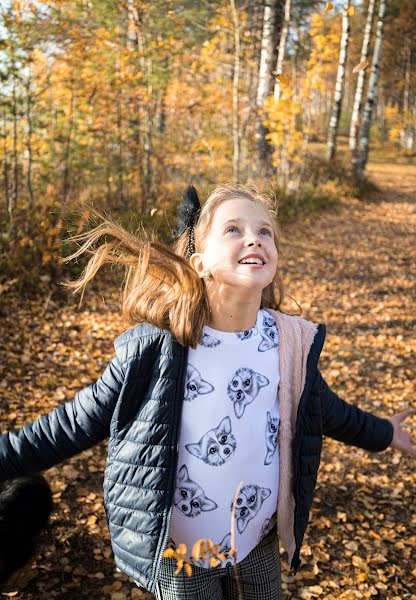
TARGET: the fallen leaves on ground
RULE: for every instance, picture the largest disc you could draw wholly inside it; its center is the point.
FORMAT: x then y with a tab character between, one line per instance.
352	268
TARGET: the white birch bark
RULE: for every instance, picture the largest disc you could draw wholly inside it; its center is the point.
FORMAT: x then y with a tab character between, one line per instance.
407	133
266	56
270	35
359	167
282	47
339	85
236	76
359	90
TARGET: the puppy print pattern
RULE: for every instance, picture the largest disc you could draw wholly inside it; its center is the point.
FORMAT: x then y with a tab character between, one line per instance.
271	437
246	335
249	502
195	385
190	498
269	334
216	446
266	528
209	341
243	388
224	547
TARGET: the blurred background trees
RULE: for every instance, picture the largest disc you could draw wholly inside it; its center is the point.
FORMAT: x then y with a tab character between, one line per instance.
124	103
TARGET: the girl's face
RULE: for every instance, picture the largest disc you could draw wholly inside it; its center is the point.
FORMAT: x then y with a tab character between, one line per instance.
239	228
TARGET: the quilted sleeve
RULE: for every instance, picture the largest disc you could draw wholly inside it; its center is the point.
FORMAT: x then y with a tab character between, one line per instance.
350	424
65	431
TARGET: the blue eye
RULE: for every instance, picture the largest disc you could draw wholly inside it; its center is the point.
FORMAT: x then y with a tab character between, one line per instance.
266	230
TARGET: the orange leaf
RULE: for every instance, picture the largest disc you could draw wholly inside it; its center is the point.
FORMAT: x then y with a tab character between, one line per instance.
188	569
329	6
283	79
181	549
214	562
169	553
179	564
361	66
350	11
198	549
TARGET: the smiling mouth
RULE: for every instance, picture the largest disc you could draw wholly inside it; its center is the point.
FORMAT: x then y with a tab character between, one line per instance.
251	265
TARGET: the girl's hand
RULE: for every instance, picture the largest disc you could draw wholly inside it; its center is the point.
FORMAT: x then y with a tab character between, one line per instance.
401	439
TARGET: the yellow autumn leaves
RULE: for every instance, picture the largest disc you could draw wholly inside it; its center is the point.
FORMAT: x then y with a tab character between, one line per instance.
350	11
284	80
202	549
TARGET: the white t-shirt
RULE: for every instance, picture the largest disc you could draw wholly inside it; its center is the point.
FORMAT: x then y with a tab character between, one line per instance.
228	434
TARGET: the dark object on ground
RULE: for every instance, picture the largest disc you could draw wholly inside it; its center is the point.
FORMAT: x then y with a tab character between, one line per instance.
25	506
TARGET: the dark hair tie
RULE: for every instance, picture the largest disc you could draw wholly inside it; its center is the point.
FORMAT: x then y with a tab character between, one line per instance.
188	213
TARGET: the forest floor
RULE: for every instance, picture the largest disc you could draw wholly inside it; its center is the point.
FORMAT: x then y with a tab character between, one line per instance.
352	267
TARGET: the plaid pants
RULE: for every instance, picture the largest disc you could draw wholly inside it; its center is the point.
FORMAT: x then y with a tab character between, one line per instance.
258	574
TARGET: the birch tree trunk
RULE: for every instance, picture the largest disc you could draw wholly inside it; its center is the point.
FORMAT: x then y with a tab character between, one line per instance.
15	195
29	139
6	165
339	85
359	168
282	47
119	158
65	176
407	133
359	90
236	76
272	22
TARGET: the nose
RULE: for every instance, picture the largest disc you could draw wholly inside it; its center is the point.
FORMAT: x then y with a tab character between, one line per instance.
253	239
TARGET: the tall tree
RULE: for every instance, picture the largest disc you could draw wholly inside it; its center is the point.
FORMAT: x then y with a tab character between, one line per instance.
282	47
236	77
339	84
359	90
360	165
272	23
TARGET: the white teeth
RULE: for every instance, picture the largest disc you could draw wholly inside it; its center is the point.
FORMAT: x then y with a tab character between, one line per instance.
251	261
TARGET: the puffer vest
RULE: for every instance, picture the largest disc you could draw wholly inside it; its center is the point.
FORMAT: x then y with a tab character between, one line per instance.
137	403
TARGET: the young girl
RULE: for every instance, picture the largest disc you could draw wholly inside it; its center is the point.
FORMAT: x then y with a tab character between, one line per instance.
211	387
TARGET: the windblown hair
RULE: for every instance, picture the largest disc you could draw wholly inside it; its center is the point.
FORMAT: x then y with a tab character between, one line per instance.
161	287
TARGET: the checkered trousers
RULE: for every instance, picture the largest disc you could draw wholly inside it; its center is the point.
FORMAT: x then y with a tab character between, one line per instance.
258	574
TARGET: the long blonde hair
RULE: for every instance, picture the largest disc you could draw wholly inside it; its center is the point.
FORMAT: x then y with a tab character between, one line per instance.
161	287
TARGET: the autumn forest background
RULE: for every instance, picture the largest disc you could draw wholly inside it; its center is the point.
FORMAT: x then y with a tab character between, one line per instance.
118	106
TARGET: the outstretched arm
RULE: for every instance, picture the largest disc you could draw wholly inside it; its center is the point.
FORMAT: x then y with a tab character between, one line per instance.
65	431
401	439
349	424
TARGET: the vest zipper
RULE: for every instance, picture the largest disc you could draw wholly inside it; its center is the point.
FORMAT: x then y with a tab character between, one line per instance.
165	541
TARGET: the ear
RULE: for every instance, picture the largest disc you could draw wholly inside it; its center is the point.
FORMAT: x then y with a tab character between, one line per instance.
225	425
197	264
265	493
194	449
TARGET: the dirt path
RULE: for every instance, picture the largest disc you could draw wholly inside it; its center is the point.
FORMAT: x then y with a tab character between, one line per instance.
352	268
355	270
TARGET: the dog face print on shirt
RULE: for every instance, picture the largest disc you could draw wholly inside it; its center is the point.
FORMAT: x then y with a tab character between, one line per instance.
249	502
243	387
246	335
209	341
216	446
269	334
266	528
271	437
190	498
195	385
225	547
